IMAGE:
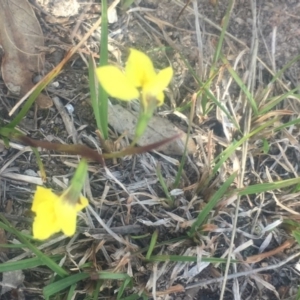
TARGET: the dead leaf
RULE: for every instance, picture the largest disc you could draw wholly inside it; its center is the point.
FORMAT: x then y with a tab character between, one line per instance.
20	38
158	129
256	258
209	227
178	288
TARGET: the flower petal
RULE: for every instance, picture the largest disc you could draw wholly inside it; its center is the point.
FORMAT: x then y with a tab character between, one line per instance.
139	68
66	215
45	223
43	228
160	98
43	195
158	84
82	203
116	84
54	213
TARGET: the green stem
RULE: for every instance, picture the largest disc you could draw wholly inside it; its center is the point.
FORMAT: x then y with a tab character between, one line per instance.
103	97
74	191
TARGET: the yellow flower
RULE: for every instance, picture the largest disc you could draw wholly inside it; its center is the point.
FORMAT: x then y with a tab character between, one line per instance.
54	213
139	73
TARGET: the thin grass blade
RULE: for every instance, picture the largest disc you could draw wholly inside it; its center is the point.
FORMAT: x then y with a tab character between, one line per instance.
211	204
102	95
45	259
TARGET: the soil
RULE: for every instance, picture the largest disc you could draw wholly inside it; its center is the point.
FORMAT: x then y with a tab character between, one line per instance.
166	31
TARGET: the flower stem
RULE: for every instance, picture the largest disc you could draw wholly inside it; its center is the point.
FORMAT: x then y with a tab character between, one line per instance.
77	182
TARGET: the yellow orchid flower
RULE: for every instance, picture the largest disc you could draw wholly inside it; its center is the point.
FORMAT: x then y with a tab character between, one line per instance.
139	73
54	213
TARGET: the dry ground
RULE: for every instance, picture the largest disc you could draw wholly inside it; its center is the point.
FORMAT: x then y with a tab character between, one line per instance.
130	194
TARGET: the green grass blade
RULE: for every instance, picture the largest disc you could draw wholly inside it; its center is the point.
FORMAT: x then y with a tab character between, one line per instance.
223	108
62	284
298	294
136	297
127	282
125	4
13	246
20	265
204	89
112	276
164	186
39	163
275	100
218	51
184	155
288	124
71	292
211	204
93	84
32	98
229	151
103	97
222	36
296	235
152	244
46	260
26	107
242	86
285	67
97	290
268	186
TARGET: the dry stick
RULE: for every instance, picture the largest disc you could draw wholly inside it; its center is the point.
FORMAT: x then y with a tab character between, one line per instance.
259	257
240	274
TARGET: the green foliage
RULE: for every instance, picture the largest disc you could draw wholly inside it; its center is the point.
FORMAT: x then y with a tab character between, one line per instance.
203	215
102	96
64	284
44	259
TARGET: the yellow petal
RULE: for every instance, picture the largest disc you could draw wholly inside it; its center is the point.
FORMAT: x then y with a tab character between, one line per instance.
66	216
139	68
54	213
158	84
116	84
43	195
160	98
45	223
43	228
82	203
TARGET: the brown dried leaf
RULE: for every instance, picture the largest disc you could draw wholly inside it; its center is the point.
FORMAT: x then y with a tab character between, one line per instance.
178	288
257	258
20	38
